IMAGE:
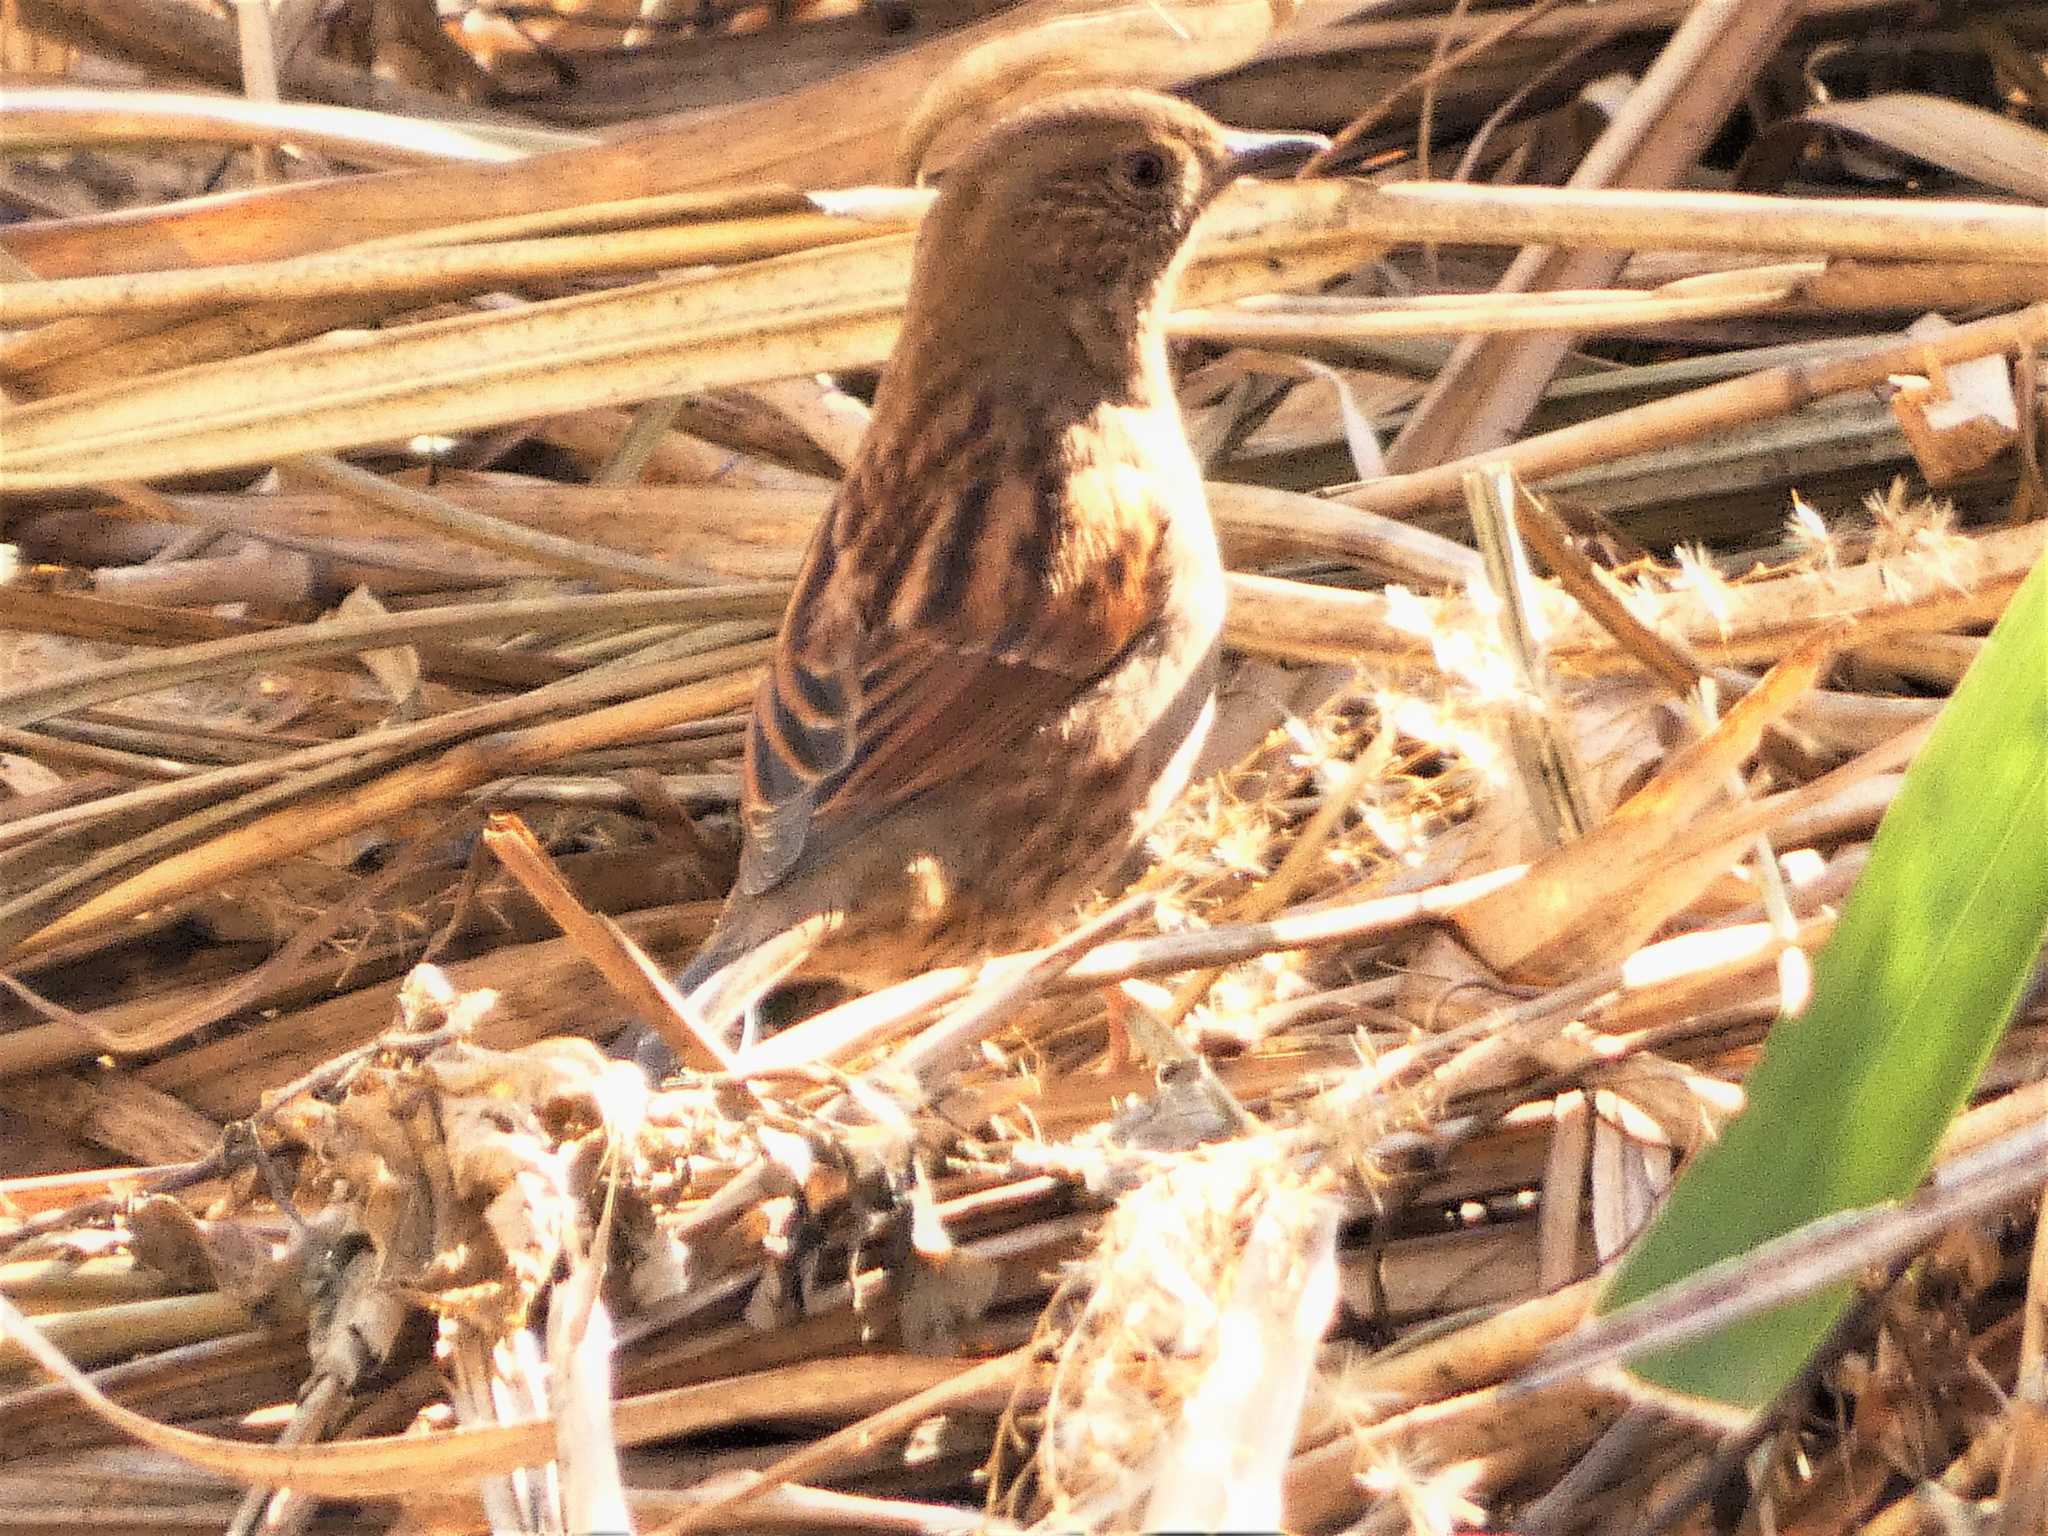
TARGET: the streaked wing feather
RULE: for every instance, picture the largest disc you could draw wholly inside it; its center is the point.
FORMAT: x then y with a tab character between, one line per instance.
890	678
939	713
952	711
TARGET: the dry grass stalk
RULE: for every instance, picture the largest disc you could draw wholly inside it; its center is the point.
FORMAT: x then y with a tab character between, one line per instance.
216	884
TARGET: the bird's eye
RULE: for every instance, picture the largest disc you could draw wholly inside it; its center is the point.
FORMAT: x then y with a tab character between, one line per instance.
1144	168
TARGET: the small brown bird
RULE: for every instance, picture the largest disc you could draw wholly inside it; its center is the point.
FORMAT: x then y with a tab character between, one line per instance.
998	662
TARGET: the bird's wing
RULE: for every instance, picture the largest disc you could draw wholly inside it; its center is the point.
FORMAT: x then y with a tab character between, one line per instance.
869	704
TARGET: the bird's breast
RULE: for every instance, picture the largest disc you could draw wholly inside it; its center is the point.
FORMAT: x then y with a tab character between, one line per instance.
1056	537
1130	540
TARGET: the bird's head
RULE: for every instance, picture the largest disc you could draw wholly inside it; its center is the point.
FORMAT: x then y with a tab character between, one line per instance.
1076	210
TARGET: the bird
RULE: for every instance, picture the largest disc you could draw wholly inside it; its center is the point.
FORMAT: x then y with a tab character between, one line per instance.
997	665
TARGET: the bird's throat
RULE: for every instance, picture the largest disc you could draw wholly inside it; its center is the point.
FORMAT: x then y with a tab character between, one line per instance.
1090	348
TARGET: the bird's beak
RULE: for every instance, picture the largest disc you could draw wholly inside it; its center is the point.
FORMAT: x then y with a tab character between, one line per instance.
1259	154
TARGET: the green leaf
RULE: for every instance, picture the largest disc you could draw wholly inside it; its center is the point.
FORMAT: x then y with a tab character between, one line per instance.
1852	1097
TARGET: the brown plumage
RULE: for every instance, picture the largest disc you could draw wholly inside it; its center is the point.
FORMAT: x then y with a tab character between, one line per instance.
998	661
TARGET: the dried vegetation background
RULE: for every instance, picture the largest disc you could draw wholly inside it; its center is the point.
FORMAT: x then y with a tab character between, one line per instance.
412	423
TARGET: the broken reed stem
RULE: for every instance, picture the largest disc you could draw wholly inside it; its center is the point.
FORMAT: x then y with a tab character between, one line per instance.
1595	592
1613	218
419	276
1321	1479
611	953
1699	412
1761	622
1578	313
944	1046
1801	288
1553	778
817	1038
572	557
85	617
88	757
1001	1373
47	118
